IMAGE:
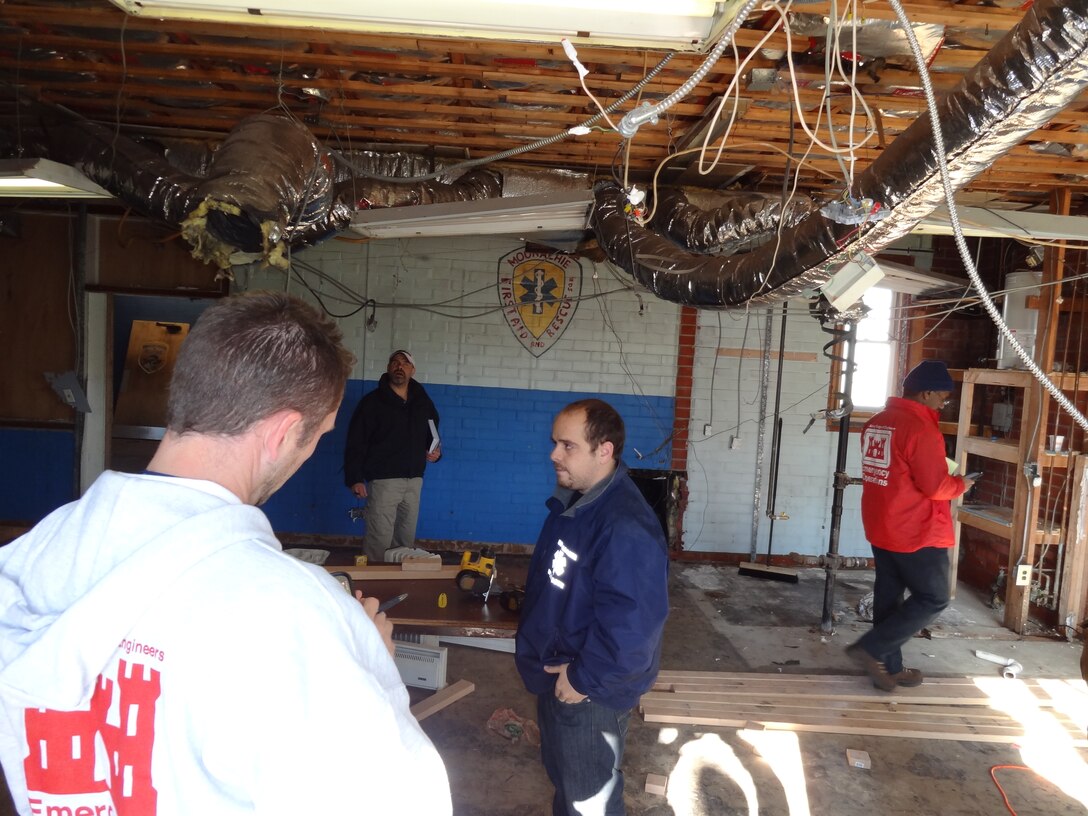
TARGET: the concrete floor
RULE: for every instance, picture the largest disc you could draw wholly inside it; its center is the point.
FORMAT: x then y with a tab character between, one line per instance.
721	621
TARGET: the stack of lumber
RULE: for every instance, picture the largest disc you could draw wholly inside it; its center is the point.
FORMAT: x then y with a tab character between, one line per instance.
956	708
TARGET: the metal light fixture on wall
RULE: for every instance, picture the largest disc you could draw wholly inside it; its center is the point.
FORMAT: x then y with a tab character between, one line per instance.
42	178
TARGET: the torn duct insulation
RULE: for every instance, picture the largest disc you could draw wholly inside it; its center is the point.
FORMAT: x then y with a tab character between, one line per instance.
269	187
1037	69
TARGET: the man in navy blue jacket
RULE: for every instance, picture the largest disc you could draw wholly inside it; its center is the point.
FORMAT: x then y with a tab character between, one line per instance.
589	642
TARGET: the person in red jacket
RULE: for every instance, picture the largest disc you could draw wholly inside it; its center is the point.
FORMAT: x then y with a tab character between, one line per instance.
905	510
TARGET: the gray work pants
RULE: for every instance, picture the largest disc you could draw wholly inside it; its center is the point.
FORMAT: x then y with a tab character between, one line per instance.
392	510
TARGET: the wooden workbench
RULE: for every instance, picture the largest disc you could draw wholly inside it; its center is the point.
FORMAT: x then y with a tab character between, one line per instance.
463	615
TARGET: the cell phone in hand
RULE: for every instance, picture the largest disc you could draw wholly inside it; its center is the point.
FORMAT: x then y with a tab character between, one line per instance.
974	477
345	581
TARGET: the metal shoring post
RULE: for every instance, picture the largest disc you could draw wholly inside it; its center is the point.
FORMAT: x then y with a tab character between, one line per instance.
827	623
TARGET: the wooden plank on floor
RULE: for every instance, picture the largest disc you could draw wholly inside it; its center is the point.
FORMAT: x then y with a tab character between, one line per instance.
941	708
969	734
780	705
890	717
441	698
862	691
746	678
935	691
830	723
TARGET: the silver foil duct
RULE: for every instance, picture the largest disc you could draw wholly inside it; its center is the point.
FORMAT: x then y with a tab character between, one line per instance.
269	187
368	193
1037	69
732	224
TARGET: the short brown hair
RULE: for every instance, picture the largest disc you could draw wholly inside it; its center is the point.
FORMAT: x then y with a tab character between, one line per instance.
251	355
603	424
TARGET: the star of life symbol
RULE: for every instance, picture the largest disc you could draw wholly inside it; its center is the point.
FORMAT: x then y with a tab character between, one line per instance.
538	291
560	559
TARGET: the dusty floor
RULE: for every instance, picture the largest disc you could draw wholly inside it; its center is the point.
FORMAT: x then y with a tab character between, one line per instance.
723	621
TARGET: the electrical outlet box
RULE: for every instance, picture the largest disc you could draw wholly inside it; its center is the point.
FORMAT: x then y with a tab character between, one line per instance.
1023	575
1001	419
734	442
707	429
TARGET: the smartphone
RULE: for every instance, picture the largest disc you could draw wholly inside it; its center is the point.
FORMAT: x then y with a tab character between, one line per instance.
345	582
974	477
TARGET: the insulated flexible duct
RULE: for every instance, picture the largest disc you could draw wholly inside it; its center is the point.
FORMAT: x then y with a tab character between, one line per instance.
269	187
1037	69
732	224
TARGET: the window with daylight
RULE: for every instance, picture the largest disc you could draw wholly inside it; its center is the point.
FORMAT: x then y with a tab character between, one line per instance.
876	358
875	353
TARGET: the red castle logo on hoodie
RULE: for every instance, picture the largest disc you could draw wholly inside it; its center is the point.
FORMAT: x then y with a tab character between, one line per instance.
96	762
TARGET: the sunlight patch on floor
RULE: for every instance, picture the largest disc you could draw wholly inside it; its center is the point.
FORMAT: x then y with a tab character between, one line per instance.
707	754
782	752
1047	747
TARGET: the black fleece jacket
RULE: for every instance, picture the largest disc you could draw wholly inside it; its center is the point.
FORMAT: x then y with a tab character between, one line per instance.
388	437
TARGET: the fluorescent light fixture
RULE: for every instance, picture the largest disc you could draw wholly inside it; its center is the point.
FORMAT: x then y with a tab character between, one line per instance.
993	223
520	215
677	24
910	281
853	280
42	178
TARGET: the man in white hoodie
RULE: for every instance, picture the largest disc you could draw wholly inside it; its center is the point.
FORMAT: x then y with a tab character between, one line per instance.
159	654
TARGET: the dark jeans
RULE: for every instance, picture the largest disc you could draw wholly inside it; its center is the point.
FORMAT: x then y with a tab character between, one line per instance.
582	748
895	621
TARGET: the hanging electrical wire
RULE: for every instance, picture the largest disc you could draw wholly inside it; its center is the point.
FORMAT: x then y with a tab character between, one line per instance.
538	144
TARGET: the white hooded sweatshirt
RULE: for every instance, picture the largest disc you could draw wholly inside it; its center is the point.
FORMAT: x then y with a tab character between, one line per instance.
161	656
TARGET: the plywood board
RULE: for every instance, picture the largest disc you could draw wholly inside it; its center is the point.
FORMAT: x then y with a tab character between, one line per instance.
38	322
152	350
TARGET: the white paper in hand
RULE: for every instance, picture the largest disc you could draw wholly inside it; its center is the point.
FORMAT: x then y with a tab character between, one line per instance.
434	436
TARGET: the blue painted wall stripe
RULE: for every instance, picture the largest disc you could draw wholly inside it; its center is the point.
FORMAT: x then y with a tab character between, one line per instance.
494	475
489	486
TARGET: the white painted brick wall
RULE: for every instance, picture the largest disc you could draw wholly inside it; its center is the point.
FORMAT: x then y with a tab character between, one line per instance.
481	350
721	480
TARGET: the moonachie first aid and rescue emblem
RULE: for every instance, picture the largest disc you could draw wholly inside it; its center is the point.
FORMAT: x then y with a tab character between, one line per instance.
539	291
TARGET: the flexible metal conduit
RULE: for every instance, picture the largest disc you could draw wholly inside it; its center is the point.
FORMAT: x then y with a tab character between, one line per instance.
1037	69
633	120
957	231
526	148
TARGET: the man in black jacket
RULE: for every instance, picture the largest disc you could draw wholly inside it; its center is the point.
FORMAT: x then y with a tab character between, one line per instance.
392	436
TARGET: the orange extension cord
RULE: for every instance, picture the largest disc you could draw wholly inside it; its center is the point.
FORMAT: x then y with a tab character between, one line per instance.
1000	789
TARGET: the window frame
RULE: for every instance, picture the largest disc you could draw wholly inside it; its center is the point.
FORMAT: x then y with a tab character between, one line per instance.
898	339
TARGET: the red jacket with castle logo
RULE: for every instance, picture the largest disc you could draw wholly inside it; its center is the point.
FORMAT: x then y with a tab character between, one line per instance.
906	491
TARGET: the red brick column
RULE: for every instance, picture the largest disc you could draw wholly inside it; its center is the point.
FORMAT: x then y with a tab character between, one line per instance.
685	364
